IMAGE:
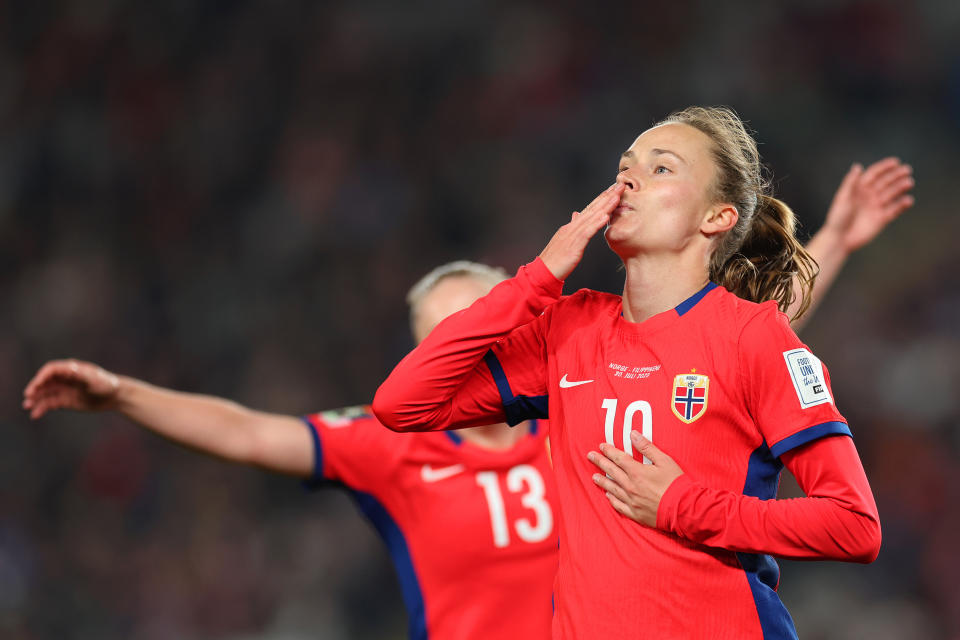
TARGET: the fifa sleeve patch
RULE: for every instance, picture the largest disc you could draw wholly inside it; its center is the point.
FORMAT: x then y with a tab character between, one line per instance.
345	417
806	372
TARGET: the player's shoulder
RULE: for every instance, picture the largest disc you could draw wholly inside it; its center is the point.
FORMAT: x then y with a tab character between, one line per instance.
587	302
357	425
744	313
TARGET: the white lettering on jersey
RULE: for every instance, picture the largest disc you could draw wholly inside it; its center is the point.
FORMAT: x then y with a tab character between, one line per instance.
429	474
566	384
806	371
629	372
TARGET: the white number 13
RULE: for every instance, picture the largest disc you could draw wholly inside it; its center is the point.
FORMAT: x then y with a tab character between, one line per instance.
534	499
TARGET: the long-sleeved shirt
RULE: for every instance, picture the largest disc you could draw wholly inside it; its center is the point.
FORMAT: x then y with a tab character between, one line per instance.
721	385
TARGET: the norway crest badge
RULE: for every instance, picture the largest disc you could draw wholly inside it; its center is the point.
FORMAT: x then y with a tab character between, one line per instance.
690	396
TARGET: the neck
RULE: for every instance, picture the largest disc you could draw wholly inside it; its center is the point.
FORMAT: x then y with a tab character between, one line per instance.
495	436
655	284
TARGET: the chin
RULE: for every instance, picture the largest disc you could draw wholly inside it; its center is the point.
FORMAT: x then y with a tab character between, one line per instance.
617	241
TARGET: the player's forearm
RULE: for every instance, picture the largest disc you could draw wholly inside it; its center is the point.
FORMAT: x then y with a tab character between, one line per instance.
830	253
798	528
431	387
837	520
212	425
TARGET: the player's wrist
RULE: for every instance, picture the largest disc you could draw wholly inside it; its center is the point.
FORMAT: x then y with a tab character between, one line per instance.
542	276
833	239
668	510
124	393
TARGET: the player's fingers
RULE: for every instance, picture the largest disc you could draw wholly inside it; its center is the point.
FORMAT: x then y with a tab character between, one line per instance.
42	407
887	178
611	487
45	398
896	189
604	203
620	506
648	449
42	375
897	207
620	458
56	369
608	466
849	180
880	167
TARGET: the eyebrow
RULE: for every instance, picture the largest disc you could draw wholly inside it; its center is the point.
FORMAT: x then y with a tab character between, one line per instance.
627	155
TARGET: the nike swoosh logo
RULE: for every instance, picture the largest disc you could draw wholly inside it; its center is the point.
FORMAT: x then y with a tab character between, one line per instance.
566	384
429	474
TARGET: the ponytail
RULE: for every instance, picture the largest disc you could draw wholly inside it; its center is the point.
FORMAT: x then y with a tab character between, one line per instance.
769	259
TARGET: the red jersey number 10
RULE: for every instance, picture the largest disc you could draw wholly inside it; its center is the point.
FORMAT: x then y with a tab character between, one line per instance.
646	428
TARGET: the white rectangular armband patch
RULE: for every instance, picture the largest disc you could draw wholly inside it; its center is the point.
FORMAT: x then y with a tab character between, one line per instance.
806	371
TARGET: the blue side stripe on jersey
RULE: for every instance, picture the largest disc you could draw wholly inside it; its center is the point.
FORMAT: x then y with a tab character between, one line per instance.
400	554
453	436
810	434
316	477
692	301
763	574
516	409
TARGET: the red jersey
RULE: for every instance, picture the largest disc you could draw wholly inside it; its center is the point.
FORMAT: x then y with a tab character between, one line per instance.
721	385
470	531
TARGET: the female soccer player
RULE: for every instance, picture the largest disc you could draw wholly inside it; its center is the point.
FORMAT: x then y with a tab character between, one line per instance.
467	517
721	384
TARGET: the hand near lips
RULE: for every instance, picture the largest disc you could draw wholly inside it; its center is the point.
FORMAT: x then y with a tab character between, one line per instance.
633	488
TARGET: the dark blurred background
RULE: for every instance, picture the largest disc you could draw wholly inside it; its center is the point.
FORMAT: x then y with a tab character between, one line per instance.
233	198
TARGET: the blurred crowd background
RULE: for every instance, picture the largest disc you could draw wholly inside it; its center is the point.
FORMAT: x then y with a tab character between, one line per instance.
233	197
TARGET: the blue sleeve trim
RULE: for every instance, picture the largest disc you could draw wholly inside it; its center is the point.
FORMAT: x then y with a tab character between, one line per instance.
316	478
499	377
516	409
810	434
523	408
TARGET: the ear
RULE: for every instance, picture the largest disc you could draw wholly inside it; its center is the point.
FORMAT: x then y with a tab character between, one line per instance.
719	219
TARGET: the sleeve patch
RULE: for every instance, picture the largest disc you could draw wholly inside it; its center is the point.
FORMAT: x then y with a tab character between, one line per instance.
338	418
806	372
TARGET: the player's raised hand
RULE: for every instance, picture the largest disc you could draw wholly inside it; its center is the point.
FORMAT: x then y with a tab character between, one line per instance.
868	200
565	249
633	488
70	384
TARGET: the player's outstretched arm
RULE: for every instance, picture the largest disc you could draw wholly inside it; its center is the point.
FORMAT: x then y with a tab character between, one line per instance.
864	204
837	520
212	425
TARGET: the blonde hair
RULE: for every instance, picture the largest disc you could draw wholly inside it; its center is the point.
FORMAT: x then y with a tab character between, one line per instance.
760	256
488	275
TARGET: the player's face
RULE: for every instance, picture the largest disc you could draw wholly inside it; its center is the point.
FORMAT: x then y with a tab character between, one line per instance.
450	295
668	172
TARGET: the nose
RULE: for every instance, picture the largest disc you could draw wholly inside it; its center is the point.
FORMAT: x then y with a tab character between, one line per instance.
627	179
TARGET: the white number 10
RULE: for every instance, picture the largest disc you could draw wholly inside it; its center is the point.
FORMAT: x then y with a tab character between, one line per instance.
646	429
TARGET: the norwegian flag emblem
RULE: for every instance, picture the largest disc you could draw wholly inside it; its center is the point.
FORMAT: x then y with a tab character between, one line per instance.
690	396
